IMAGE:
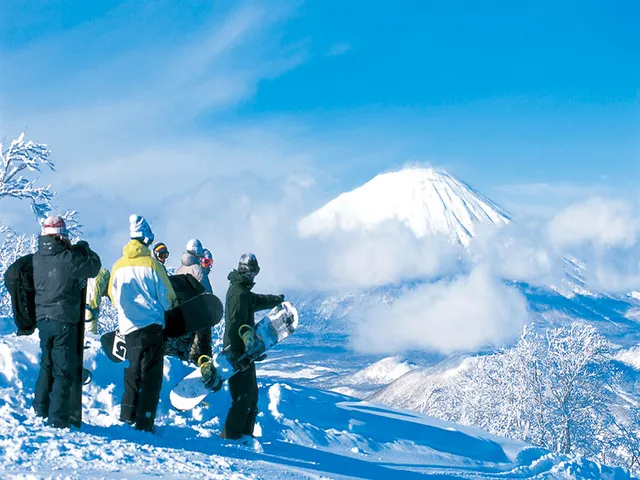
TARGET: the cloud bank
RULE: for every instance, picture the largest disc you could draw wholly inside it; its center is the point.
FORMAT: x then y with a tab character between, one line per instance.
598	221
467	313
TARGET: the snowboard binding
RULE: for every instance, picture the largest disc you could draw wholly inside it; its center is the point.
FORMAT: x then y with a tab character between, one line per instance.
86	376
210	376
253	344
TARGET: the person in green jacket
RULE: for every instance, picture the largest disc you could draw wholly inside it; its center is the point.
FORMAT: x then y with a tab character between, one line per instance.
241	304
96	289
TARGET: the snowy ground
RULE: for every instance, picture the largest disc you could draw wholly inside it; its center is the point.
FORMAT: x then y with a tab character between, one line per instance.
303	433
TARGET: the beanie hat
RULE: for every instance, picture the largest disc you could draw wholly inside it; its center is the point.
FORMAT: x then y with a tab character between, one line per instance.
54	225
139	229
159	248
194	247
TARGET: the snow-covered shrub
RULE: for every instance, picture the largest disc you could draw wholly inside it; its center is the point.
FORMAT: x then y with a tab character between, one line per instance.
13	246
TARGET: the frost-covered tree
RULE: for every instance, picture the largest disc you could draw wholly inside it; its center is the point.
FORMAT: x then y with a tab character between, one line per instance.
17	161
576	388
625	436
555	388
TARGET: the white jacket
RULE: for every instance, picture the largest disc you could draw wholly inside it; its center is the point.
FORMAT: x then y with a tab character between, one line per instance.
140	289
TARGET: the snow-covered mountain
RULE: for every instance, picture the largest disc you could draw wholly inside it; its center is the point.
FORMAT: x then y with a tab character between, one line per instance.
426	200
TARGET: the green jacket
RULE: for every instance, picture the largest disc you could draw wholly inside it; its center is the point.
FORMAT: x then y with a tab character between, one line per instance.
241	304
96	289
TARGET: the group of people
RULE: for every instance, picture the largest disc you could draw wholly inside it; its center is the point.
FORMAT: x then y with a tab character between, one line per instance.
141	291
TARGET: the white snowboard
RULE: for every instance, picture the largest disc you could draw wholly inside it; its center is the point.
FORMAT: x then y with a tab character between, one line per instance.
277	325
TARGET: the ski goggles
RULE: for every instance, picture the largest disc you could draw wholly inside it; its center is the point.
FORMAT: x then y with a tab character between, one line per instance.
206	262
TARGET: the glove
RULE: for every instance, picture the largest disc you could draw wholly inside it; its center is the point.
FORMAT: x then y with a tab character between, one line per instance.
83	244
93	311
261	358
281	296
208	378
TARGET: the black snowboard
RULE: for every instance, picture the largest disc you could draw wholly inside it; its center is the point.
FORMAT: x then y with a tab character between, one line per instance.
75	398
204	310
18	279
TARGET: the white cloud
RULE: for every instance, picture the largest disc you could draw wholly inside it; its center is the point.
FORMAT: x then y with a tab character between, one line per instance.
386	254
605	278
598	221
339	48
517	252
467	313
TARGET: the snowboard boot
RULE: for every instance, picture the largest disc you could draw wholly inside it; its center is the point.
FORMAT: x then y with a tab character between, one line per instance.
145	427
42	412
210	377
224	435
58	423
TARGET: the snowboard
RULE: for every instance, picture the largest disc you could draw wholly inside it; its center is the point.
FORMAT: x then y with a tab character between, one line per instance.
81	374
202	311
272	329
18	280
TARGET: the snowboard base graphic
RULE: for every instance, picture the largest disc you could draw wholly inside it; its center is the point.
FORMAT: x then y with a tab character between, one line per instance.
276	326
202	311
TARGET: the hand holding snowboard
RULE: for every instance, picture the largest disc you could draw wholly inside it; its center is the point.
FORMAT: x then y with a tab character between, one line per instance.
209	377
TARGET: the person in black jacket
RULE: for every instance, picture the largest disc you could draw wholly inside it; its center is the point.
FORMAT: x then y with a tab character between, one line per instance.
241	304
60	271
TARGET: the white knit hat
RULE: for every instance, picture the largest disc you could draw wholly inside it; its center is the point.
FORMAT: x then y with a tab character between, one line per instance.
194	247
55	225
140	229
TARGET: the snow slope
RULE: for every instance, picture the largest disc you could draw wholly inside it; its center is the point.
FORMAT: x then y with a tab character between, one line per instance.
303	433
368	380
426	200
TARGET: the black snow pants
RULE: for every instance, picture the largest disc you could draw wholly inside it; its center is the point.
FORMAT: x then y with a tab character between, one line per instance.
143	377
58	365
244	404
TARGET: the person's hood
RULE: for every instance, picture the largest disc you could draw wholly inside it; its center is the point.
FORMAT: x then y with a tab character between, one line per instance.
135	249
235	277
48	245
189	259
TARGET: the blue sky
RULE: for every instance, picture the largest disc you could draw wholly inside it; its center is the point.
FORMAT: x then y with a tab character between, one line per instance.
147	103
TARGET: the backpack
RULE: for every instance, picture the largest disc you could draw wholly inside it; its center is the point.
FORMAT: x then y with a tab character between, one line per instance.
186	286
19	282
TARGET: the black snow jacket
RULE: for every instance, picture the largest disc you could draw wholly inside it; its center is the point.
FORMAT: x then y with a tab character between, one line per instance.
19	282
59	274
241	304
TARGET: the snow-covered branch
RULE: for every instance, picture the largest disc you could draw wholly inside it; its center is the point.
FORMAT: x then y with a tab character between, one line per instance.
16	161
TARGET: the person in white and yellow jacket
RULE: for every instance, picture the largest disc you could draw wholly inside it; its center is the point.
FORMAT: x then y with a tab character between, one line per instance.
96	289
141	292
